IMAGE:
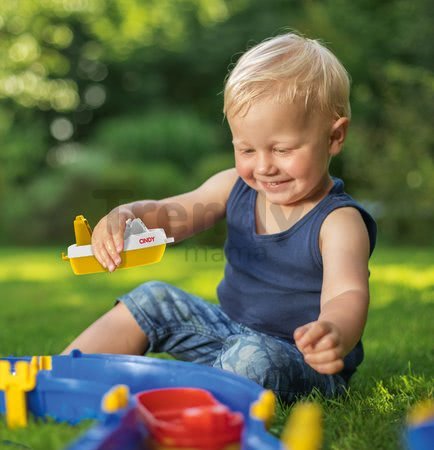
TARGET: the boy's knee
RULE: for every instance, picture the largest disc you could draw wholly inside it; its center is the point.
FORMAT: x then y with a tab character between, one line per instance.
154	290
158	288
255	357
160	300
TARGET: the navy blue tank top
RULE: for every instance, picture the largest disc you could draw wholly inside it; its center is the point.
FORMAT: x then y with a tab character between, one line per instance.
272	282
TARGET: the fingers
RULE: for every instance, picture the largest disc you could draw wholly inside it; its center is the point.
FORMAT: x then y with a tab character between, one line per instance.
319	342
327	360
108	241
103	256
329	368
327	342
111	250
107	254
105	259
310	335
324	357
118	241
115	239
300	331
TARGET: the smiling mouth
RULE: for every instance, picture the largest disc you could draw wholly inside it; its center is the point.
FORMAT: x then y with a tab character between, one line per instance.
272	184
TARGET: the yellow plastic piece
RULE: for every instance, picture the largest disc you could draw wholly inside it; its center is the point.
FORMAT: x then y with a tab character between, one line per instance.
131	258
421	412
116	398
83	231
89	264
303	429
41	363
264	408
15	385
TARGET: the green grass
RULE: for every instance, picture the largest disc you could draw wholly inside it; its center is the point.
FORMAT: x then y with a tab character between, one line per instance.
44	306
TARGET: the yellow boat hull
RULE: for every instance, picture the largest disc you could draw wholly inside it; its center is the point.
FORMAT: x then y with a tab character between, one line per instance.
131	258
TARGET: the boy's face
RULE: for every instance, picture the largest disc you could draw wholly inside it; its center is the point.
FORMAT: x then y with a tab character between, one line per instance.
284	152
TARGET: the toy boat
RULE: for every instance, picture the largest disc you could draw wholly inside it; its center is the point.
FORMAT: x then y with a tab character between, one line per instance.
142	246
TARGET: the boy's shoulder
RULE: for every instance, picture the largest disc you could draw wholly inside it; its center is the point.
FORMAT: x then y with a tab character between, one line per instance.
228	175
221	182
344	225
343	216
214	190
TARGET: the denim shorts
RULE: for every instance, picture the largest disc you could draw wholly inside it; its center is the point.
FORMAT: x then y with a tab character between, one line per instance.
191	329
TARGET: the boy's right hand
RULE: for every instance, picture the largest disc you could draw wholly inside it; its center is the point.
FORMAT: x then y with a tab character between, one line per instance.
108	237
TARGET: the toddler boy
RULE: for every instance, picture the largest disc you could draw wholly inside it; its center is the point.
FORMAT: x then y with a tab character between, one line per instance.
295	295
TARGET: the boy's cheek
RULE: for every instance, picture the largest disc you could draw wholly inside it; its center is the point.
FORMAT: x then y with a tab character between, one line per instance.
247	175
242	169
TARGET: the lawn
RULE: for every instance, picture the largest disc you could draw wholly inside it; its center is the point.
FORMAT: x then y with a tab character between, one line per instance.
44	306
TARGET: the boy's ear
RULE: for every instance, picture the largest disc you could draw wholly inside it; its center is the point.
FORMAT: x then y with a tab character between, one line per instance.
338	133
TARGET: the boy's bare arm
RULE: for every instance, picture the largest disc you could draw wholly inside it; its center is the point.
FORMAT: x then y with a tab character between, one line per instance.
344	244
181	216
196	211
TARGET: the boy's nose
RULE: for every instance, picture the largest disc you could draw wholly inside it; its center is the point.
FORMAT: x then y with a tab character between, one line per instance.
264	165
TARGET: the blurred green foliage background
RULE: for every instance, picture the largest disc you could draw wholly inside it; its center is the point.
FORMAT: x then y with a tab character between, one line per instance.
109	101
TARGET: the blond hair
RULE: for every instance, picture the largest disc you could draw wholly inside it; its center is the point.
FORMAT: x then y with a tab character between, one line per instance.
289	68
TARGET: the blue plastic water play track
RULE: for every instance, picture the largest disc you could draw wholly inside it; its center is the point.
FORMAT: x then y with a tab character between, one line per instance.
73	390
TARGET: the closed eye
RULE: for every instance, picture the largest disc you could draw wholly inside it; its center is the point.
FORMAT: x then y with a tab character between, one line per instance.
282	151
246	150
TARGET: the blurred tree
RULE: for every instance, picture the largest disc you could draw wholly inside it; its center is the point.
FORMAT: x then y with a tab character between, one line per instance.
78	78
45	41
55	76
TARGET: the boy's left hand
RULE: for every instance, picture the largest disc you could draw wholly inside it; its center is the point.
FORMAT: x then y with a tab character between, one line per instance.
320	343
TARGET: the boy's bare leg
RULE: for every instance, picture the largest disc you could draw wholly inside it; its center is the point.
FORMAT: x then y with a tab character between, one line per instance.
115	332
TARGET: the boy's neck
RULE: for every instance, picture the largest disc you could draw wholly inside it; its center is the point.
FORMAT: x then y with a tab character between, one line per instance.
272	218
